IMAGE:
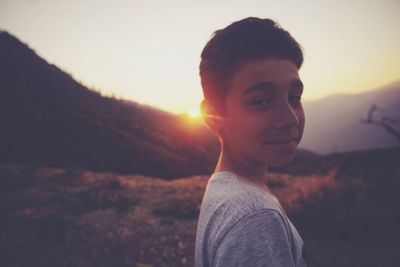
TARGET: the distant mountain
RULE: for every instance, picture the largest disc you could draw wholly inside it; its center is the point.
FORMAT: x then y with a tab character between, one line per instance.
333	123
47	118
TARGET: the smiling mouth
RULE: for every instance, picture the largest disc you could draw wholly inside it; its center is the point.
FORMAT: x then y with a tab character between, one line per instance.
282	142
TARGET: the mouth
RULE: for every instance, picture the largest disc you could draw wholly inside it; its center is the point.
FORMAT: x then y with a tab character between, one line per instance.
282	142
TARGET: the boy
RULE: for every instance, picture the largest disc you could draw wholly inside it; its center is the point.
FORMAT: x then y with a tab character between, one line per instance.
252	91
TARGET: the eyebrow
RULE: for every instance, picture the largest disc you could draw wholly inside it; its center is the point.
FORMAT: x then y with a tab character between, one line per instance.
269	86
264	86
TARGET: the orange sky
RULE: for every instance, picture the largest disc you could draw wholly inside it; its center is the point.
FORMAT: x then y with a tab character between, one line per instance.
148	51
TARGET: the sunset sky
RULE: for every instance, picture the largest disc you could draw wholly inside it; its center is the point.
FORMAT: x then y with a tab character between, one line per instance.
149	51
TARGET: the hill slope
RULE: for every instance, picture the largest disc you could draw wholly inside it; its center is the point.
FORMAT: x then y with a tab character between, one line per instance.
49	119
347	216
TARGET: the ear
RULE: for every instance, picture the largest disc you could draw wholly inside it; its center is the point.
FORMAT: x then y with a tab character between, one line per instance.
211	116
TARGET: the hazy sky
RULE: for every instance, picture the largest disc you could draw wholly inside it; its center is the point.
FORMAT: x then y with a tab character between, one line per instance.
149	51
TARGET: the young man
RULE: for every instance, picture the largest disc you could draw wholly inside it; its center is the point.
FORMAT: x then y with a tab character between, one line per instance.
252	91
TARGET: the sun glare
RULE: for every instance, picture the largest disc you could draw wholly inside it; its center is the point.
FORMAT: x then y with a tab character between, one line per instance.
194	113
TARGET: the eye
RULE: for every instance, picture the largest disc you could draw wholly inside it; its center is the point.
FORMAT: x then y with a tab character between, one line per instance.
262	101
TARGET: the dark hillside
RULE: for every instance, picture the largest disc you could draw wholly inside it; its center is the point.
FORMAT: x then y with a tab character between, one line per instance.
362	163
49	119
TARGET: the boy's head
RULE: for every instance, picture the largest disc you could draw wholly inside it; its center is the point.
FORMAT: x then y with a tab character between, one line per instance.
252	90
242	41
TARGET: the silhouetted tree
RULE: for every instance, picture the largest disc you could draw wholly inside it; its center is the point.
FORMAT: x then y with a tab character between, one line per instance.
388	123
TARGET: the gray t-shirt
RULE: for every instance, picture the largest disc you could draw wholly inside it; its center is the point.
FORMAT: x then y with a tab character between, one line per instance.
242	225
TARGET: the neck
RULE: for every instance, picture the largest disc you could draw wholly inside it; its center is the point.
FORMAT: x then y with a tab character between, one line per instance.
254	171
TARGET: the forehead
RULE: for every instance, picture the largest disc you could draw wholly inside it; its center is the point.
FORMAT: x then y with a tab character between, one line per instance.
281	73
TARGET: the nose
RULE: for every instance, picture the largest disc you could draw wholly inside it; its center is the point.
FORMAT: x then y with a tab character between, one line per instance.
287	116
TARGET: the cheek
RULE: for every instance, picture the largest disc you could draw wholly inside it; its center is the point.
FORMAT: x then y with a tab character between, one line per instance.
301	118
240	128
246	129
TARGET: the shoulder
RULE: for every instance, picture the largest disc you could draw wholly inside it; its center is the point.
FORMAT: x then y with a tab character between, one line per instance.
230	190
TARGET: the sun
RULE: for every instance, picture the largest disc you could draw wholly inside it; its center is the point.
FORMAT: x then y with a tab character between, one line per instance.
194	113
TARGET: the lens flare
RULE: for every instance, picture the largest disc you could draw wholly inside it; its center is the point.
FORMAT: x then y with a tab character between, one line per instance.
194	113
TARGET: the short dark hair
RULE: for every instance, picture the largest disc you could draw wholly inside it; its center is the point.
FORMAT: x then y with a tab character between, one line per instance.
242	41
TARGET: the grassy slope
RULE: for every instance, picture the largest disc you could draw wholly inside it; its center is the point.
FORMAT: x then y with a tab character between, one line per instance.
67	217
50	119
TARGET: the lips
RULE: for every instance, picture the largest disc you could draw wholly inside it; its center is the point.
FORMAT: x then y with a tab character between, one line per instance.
284	141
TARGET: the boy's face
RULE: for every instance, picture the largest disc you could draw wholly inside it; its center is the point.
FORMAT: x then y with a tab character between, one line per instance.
264	118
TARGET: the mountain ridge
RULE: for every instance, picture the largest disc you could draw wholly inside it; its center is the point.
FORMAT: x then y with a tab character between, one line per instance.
333	123
53	120
50	118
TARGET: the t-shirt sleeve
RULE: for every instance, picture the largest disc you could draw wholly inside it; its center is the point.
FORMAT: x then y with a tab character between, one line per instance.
259	239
